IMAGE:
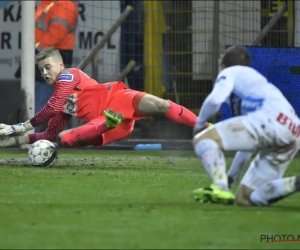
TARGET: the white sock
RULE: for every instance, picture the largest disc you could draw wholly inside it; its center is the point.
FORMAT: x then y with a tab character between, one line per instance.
213	160
273	191
238	164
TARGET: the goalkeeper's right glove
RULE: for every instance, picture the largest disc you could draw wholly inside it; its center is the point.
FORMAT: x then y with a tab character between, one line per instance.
16	129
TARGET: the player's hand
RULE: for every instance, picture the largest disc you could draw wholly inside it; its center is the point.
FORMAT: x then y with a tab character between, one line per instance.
2	125
197	130
12	129
11	140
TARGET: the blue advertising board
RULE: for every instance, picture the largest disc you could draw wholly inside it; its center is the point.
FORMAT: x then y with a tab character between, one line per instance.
281	66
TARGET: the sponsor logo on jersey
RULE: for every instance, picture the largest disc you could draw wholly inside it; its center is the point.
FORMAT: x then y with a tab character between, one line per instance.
65	78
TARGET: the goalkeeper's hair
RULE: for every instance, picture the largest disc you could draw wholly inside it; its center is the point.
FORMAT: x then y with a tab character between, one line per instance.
236	55
48	52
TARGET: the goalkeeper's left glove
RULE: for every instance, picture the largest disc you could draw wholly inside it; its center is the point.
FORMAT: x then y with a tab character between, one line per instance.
11	141
16	129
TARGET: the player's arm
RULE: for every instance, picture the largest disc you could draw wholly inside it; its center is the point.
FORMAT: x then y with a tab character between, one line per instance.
238	165
66	81
55	126
59	25
211	105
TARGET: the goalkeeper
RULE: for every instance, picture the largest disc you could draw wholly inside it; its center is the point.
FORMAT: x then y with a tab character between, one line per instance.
99	105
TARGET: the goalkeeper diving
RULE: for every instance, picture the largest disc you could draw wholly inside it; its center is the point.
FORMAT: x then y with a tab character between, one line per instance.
109	110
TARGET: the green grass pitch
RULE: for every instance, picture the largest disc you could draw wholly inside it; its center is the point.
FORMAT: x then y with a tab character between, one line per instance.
93	199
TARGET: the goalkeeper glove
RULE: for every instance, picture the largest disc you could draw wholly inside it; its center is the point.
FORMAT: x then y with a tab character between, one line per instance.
11	141
16	129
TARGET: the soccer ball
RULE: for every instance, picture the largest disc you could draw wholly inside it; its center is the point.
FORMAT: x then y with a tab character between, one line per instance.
42	153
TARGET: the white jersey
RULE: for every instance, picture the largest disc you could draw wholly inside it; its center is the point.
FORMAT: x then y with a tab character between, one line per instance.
250	94
250	90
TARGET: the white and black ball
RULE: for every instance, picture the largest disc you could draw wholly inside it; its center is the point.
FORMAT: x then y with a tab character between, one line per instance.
42	153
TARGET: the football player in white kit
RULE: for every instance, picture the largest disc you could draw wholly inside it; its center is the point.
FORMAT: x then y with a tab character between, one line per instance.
264	121
273	191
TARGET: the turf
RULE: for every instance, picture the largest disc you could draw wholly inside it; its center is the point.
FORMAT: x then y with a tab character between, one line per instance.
128	200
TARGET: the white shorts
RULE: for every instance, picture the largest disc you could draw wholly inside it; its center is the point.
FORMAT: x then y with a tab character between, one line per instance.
258	130
270	132
269	165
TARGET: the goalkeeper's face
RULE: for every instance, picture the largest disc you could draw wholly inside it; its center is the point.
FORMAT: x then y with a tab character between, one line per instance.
50	68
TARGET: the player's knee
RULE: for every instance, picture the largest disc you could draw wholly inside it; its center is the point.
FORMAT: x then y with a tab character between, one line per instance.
209	133
162	106
159	106
151	105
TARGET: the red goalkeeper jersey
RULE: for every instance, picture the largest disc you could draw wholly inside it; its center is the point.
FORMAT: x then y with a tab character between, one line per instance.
75	94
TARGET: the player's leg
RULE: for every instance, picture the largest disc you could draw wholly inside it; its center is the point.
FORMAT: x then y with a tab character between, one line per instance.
268	193
263	183
153	105
119	133
72	138
228	135
137	105
237	166
90	133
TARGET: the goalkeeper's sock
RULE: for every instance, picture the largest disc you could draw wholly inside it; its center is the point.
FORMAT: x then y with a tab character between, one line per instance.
86	135
180	114
275	190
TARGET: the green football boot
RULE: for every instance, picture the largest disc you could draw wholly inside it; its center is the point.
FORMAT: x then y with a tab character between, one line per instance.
214	194
113	119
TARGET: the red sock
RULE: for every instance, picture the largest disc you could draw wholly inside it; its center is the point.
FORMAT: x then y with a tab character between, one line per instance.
85	135
180	114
